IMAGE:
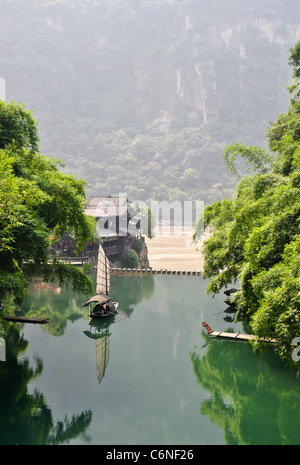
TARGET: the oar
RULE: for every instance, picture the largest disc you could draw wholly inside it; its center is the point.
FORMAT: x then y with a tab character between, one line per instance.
116	314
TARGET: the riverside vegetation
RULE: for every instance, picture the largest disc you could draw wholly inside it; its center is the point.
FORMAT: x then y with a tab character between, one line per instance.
38	204
102	106
255	236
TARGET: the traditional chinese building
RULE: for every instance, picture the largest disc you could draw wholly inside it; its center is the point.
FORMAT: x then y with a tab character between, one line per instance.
118	224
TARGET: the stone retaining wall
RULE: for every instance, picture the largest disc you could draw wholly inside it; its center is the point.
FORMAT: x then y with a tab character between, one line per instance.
150	270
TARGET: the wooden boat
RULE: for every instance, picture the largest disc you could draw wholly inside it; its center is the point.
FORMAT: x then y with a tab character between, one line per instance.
22	319
236	336
103	307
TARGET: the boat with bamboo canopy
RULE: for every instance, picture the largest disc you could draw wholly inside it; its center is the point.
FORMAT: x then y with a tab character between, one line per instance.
101	305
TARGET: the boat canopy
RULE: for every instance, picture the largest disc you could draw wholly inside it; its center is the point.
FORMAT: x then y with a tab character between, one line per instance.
101	299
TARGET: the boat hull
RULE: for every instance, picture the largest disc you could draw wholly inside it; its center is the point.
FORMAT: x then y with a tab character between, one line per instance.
100	316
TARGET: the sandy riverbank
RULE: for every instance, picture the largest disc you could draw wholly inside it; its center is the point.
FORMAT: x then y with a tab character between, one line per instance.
174	252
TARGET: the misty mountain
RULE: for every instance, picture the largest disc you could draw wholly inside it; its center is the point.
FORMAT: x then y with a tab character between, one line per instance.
142	96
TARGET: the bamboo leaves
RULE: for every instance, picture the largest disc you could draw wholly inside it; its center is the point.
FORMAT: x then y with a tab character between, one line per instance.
256	237
37	200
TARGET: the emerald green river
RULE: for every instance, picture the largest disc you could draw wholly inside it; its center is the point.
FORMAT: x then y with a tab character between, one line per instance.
150	376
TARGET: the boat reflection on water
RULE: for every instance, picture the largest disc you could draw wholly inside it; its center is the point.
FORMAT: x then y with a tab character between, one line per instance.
99	331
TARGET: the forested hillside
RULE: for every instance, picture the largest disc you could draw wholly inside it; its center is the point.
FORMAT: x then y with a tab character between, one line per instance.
142	96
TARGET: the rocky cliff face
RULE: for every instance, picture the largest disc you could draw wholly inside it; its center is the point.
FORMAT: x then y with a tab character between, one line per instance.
152	57
223	67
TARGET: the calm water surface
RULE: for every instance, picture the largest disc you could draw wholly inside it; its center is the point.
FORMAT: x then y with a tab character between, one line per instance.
154	378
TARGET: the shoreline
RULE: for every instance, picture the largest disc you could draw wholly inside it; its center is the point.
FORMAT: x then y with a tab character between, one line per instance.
175	252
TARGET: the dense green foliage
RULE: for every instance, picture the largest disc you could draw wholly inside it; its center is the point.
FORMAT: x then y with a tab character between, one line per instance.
38	203
137	245
141	96
255	237
130	259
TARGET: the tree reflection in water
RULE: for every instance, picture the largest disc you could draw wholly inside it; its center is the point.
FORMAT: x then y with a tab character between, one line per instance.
252	398
26	418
